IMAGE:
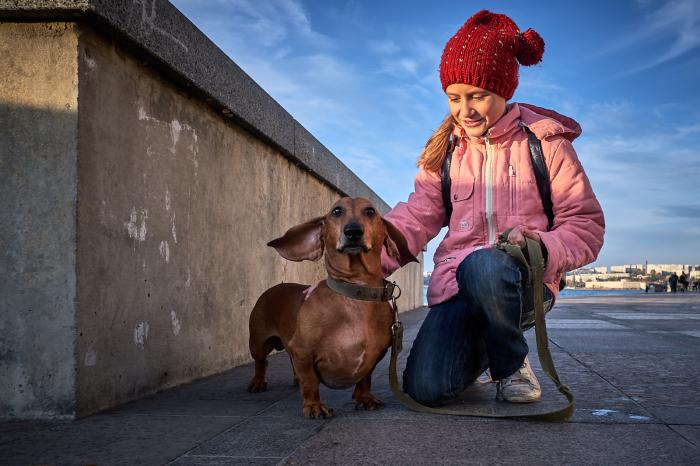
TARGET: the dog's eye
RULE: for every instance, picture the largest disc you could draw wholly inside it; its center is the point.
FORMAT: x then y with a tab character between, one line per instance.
337	212
370	212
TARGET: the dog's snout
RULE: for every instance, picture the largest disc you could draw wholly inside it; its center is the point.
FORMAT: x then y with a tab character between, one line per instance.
353	231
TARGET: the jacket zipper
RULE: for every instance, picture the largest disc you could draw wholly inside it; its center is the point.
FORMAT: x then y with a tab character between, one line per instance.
511	183
488	197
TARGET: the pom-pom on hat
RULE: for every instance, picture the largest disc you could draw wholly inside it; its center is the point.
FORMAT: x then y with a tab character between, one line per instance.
486	51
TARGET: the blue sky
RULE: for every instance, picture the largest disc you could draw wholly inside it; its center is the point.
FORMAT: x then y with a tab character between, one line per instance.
362	77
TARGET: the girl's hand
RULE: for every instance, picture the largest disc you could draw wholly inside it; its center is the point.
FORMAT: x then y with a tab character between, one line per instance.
307	292
518	234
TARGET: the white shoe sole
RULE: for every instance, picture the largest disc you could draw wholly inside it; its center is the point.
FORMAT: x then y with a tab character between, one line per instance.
535	395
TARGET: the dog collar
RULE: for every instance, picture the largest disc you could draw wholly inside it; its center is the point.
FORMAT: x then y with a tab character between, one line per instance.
364	293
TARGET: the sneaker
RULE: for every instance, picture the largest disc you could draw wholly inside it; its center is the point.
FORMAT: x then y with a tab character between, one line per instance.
485	377
520	387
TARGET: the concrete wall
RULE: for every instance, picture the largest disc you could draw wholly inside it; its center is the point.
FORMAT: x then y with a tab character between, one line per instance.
176	205
38	148
140	241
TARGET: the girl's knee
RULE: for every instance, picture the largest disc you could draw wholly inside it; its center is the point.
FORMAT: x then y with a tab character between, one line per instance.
429	384
426	390
484	261
483	268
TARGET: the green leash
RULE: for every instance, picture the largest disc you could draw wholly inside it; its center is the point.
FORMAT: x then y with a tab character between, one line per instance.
531	257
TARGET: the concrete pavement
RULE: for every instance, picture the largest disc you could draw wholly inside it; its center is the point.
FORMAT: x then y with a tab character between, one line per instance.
632	362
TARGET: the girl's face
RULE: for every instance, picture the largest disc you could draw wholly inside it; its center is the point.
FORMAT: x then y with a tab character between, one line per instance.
473	108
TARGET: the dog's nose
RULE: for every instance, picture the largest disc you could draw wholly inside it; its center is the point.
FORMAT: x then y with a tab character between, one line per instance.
353	231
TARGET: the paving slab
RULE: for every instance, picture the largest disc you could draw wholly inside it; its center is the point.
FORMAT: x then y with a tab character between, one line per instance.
654	379
624	341
449	440
114	439
261	436
685	415
635	386
690	433
225	461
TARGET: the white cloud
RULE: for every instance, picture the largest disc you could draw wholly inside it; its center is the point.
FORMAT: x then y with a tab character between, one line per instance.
269	24
400	67
383	47
690	129
418	62
375	125
675	22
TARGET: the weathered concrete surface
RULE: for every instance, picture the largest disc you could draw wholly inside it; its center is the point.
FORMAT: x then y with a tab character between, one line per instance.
38	148
629	406
168	41
159	236
176	207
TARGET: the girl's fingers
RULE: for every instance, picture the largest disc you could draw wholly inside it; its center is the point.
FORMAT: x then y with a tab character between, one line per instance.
518	234
307	292
532	234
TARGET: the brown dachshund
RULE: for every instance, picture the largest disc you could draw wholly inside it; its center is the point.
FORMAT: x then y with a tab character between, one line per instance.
331	338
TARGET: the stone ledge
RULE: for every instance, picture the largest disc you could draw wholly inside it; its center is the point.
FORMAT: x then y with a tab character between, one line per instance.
157	30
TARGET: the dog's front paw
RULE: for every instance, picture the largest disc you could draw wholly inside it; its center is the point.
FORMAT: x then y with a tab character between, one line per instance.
368	402
257	386
317	410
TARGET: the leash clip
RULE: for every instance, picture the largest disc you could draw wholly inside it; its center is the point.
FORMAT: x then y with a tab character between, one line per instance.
389	289
397	326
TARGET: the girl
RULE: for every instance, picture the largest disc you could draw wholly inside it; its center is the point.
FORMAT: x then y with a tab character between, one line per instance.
479	306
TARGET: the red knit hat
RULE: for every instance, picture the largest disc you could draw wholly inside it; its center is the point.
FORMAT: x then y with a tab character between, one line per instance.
484	51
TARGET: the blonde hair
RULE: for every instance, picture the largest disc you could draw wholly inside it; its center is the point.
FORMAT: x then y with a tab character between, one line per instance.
433	154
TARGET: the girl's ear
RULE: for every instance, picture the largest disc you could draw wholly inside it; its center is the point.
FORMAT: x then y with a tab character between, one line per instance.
396	244
302	242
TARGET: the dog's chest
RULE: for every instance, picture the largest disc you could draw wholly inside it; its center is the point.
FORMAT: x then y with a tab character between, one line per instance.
349	354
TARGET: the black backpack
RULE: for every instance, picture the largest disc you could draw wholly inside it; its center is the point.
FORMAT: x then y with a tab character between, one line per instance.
541	175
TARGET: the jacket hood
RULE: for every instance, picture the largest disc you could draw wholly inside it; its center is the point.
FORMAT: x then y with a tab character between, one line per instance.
545	123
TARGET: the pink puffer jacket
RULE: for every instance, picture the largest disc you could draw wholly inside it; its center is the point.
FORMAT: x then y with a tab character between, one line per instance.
493	189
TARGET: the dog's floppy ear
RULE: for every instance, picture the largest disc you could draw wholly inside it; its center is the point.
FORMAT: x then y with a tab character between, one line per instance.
302	242
396	244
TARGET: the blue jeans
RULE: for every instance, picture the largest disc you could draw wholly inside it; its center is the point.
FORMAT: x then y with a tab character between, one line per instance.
479	328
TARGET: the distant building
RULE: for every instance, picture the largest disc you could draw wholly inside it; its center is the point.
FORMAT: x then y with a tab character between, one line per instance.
590	277
636	269
616	285
628	268
628	276
582	270
666	269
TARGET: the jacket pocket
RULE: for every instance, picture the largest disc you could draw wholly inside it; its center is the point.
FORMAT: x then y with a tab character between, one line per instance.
462	191
522	198
528	201
462	206
527	197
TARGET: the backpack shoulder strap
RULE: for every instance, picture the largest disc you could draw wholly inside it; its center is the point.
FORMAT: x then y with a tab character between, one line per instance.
541	175
447	181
